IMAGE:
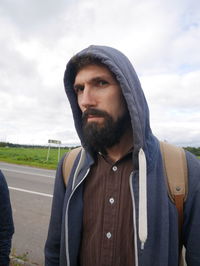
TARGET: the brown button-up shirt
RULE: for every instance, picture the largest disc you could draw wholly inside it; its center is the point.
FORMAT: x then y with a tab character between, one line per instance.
107	238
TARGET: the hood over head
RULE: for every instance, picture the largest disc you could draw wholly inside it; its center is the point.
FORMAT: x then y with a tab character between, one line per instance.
125	74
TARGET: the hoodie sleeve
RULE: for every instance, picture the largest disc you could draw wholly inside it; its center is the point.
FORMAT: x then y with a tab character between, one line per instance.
192	213
53	242
6	222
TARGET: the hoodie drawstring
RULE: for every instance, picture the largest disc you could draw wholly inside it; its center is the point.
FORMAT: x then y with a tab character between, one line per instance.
142	198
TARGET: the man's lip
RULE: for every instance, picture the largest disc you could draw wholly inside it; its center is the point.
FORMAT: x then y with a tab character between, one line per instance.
91	117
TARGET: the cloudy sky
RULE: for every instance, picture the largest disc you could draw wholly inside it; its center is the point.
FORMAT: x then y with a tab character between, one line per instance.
37	38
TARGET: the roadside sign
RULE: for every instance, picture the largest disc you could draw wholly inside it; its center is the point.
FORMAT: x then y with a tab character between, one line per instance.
53	141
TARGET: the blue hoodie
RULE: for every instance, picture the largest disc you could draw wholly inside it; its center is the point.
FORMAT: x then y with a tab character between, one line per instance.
154	215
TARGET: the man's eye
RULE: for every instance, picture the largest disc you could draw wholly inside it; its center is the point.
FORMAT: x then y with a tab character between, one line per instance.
102	82
78	89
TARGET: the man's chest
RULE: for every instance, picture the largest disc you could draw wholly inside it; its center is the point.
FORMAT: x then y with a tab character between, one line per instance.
107	217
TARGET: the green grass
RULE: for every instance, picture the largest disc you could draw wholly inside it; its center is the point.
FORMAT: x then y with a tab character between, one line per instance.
17	260
20	259
31	156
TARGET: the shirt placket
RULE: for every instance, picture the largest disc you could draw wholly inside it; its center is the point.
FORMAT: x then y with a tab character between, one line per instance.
111	208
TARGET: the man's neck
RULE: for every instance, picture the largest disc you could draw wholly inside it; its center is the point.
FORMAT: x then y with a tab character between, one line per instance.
120	149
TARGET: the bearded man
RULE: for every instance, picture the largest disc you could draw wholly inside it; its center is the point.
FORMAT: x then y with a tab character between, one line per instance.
116	211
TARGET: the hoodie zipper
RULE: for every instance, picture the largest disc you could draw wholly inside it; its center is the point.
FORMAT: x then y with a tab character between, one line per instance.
66	218
134	220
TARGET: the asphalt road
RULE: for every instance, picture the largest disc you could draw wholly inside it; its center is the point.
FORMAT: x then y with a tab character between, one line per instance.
31	197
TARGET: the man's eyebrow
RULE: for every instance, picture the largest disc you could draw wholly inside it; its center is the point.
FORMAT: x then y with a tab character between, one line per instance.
97	78
100	77
105	77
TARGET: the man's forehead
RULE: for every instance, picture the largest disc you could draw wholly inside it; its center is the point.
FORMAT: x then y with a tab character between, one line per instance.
94	71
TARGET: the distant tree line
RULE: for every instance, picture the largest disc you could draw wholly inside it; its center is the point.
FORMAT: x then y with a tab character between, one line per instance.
195	151
8	144
13	145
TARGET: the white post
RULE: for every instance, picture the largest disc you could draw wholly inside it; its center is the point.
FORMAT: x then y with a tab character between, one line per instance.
48	153
58	152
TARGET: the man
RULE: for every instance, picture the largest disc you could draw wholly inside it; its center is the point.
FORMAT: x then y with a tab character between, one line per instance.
117	210
6	222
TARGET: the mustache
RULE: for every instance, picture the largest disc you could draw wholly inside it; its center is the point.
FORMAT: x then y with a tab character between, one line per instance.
92	111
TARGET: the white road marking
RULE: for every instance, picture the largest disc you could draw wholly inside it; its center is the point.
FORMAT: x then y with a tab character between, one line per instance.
26	173
31	192
17	165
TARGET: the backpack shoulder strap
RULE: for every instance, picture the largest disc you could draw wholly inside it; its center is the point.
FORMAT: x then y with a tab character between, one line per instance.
175	167
68	163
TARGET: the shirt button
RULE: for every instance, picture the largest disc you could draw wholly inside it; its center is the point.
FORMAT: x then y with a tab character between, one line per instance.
108	235
111	200
114	168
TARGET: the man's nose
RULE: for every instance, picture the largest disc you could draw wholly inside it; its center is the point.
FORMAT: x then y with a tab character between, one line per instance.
87	98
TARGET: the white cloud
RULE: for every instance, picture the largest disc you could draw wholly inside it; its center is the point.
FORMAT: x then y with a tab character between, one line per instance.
174	92
174	105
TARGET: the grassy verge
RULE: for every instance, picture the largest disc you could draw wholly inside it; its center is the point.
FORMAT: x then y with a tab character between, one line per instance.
31	156
17	260
23	259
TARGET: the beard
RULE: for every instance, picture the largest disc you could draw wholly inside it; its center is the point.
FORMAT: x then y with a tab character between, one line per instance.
100	136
